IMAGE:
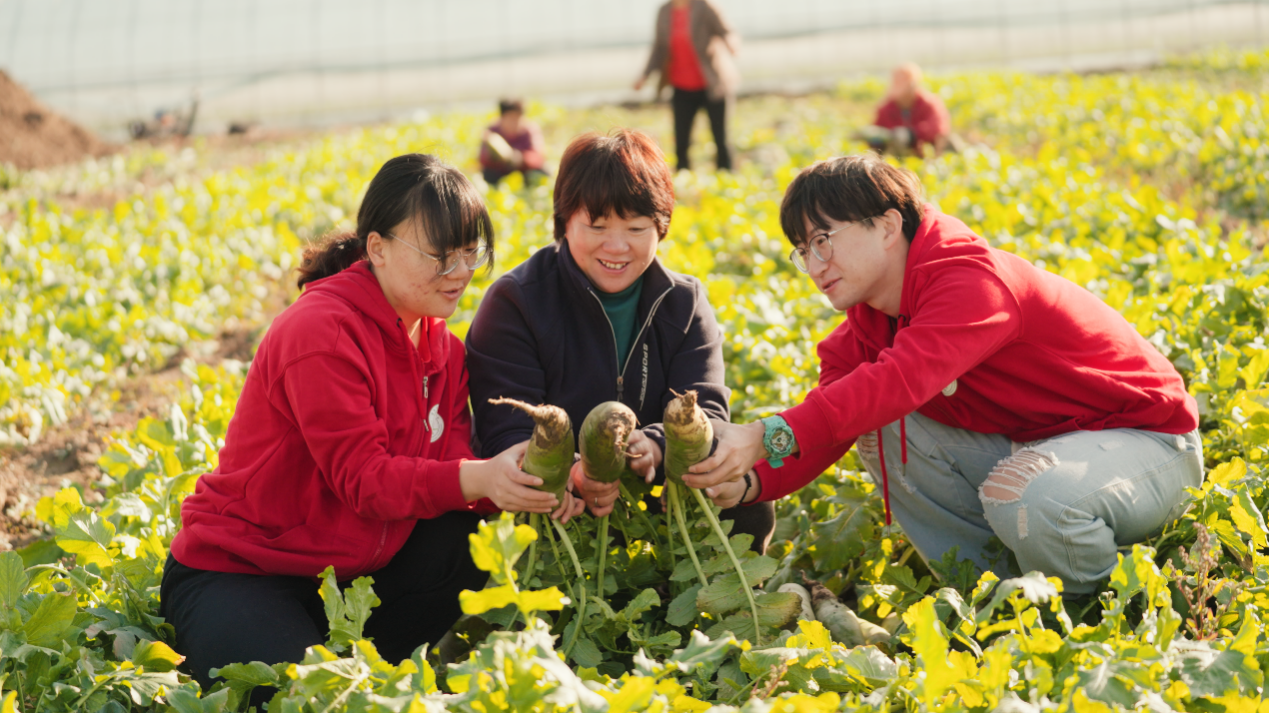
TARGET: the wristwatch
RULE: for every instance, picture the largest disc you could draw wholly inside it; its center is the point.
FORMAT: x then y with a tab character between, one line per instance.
778	439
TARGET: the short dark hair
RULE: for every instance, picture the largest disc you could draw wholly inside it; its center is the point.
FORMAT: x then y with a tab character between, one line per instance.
850	189
506	106
448	207
624	173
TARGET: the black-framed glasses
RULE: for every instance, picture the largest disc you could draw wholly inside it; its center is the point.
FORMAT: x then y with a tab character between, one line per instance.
475	258
821	246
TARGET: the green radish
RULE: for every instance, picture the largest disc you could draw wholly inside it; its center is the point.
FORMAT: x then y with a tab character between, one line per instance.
604	434
688	435
688	439
550	457
550	454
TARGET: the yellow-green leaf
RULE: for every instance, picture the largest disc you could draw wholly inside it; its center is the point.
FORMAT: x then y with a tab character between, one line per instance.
51	620
486	599
155	656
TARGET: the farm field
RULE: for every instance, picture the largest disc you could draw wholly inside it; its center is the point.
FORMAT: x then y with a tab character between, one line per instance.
1151	189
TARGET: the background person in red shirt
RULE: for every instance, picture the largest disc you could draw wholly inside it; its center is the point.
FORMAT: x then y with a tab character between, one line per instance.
692	50
986	396
911	117
350	445
512	144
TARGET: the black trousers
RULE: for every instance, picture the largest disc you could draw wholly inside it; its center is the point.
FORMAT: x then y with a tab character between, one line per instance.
686	104
222	618
758	519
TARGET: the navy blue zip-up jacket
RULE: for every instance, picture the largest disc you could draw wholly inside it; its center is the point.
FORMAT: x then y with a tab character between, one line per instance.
541	336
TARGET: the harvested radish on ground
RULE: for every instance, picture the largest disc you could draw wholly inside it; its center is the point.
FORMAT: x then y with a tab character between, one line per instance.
807	613
688	440
550	457
843	624
604	436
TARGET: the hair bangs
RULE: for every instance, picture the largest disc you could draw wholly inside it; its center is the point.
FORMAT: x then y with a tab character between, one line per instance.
617	188
451	212
623	175
849	189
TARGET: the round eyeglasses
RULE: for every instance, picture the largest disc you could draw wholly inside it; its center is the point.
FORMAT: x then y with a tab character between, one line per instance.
820	246
474	258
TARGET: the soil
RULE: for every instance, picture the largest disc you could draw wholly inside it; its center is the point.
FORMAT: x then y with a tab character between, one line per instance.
67	455
34	136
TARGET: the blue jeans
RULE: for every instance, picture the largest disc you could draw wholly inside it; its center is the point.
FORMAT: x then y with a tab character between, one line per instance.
1063	505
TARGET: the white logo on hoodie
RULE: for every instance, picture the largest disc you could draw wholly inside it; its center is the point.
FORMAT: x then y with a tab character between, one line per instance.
436	423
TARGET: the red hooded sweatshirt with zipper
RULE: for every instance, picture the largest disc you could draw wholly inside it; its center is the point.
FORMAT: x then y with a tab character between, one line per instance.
986	342
344	435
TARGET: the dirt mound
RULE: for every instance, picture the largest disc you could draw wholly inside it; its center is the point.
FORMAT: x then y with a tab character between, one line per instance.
34	136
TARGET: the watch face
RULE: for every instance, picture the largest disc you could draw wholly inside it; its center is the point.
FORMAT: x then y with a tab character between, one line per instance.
782	440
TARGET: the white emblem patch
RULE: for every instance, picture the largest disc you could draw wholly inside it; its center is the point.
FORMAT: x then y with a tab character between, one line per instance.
436	423
950	388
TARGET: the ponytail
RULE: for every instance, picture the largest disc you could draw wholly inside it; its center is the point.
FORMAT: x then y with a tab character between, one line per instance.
332	254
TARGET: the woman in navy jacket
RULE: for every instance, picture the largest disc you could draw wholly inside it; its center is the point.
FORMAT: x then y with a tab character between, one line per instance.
595	317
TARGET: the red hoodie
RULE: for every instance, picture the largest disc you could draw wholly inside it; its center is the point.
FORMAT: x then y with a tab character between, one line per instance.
987	342
344	435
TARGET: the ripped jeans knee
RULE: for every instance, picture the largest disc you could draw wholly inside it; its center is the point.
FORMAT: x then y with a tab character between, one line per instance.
866	446
1008	481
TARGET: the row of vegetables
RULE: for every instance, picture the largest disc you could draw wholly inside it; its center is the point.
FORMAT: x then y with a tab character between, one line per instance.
1134	186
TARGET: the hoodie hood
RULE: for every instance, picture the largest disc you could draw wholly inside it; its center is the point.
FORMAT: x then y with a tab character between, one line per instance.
359	288
931	248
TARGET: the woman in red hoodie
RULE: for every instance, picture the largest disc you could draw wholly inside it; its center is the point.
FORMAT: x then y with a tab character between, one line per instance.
349	446
986	395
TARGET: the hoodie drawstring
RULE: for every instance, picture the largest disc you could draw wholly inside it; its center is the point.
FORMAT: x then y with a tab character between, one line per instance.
903	446
903	456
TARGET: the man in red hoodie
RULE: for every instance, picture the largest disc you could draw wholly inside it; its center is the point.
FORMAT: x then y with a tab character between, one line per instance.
999	398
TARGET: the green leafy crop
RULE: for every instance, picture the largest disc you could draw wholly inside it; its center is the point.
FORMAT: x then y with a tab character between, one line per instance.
1148	189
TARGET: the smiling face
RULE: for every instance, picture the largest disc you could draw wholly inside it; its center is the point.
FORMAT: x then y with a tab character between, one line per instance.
409	279
866	265
612	251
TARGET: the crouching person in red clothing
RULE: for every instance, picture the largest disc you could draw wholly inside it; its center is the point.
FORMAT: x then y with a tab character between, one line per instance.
986	396
911	118
350	445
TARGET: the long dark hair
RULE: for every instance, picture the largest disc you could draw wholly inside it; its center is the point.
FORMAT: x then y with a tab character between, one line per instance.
446	204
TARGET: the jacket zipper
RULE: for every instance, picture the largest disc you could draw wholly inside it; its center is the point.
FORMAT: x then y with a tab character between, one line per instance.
383	533
621	368
427	426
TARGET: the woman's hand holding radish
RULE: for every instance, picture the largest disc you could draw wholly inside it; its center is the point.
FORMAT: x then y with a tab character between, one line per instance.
644	455
572	507
599	497
739	447
501	480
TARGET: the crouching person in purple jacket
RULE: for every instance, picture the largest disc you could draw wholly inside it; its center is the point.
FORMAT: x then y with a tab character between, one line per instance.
595	317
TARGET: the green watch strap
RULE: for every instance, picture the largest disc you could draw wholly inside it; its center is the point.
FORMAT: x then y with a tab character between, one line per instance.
778	439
